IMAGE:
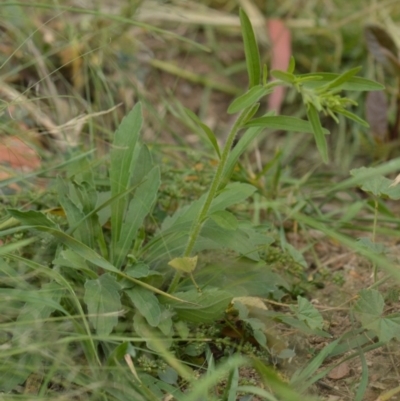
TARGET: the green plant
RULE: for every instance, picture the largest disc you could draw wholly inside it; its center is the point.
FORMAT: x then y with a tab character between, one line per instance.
112	288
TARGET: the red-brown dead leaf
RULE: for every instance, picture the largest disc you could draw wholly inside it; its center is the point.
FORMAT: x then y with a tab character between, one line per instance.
339	372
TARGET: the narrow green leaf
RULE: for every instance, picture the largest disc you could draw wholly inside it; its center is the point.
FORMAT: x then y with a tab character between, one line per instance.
248	99
239	149
103	302
31	218
353	117
122	153
319	134
284	123
146	303
210	135
353	84
283	76
251	50
341	79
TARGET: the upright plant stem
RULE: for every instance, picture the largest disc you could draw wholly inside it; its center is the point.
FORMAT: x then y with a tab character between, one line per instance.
200	219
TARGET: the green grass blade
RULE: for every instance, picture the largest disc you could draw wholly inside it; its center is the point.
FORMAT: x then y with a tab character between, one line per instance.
275	383
206	382
362	388
238	150
210	135
250	50
300	378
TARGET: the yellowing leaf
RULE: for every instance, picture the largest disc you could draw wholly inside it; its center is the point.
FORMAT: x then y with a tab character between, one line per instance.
395	181
185	264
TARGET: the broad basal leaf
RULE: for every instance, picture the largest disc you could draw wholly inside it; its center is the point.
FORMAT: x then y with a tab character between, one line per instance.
232	194
103	302
209	305
155	338
146	303
225	220
68	258
139	207
213	236
138	270
122	153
